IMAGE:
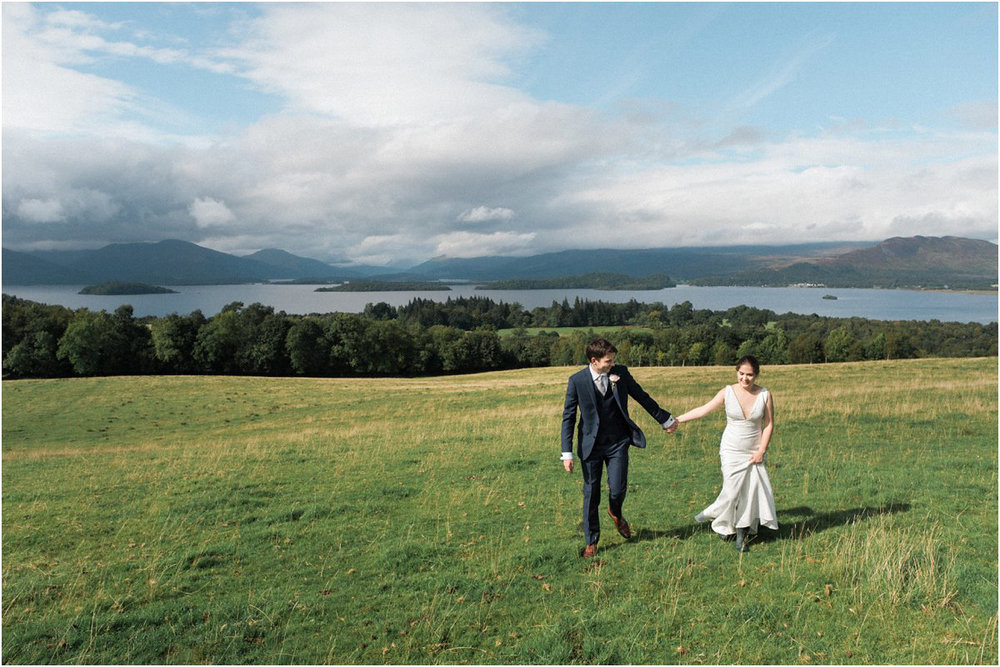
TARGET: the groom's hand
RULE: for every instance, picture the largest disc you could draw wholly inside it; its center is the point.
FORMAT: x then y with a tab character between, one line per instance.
568	465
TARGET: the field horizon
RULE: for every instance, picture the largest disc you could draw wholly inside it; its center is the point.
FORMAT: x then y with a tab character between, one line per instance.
249	520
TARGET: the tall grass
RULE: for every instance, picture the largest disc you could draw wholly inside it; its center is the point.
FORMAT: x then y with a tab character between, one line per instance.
247	520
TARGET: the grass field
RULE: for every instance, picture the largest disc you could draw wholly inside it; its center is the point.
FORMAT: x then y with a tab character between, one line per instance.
250	520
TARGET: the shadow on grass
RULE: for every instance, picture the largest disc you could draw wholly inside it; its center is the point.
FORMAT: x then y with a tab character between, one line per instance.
794	523
644	534
800	522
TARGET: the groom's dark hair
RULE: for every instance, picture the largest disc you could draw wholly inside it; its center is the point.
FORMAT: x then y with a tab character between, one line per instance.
600	348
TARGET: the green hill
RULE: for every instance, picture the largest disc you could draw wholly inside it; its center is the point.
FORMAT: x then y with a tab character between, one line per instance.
225	520
683	264
20	268
950	262
287	264
924	262
946	253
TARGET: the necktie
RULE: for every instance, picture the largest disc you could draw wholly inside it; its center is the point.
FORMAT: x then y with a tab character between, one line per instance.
602	383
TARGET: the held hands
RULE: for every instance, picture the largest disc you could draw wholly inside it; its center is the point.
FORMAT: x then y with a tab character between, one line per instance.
568	463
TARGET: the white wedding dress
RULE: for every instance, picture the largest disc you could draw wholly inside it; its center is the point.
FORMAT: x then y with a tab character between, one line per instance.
746	500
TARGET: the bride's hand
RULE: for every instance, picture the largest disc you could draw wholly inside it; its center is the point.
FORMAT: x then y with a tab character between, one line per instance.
757	457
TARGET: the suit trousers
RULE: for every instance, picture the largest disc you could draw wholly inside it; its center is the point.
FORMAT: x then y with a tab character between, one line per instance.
615	457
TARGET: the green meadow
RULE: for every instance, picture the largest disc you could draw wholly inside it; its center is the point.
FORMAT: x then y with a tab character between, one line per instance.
428	520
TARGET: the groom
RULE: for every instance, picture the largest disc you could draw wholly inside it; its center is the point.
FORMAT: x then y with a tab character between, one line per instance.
604	434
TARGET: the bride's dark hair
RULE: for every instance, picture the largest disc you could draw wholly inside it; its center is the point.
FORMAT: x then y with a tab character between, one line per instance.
749	359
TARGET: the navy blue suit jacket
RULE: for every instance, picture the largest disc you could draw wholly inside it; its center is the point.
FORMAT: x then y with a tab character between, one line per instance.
580	394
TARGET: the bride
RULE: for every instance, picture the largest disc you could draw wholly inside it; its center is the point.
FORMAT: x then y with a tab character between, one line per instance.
746	501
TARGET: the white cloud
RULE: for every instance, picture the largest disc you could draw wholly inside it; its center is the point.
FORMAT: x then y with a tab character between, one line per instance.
378	249
46	92
71	18
208	212
469	244
401	120
41	210
39	92
977	115
486	214
377	64
855	189
325	191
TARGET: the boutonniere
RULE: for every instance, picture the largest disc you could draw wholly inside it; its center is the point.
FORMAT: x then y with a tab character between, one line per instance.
614	380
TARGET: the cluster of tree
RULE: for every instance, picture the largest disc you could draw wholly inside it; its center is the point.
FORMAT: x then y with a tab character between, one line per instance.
117	288
457	336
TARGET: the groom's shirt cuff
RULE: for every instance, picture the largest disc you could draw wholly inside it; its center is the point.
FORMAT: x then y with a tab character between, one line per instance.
566	456
670	422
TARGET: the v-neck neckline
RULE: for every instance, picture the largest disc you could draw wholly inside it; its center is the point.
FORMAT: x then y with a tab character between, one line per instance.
756	397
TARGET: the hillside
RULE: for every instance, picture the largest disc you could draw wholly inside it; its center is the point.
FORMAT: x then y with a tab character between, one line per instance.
175	262
939	262
683	264
946	253
168	262
947	262
301	268
20	268
178	262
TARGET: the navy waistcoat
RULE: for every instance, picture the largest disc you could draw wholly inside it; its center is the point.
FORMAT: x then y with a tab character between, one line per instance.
613	427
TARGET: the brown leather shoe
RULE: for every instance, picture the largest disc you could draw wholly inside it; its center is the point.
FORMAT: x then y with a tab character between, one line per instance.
590	551
622	525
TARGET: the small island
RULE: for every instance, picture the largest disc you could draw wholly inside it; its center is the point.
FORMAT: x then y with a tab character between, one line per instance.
385	286
119	288
598	281
830	297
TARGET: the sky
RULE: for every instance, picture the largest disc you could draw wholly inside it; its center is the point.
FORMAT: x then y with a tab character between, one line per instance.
388	134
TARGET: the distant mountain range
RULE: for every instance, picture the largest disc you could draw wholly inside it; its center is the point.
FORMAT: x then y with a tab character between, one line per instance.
163	263
682	264
923	261
929	262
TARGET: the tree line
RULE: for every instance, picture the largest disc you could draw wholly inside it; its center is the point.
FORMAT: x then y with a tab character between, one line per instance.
462	335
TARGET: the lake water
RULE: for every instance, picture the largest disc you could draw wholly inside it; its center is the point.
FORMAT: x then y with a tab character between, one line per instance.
302	299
